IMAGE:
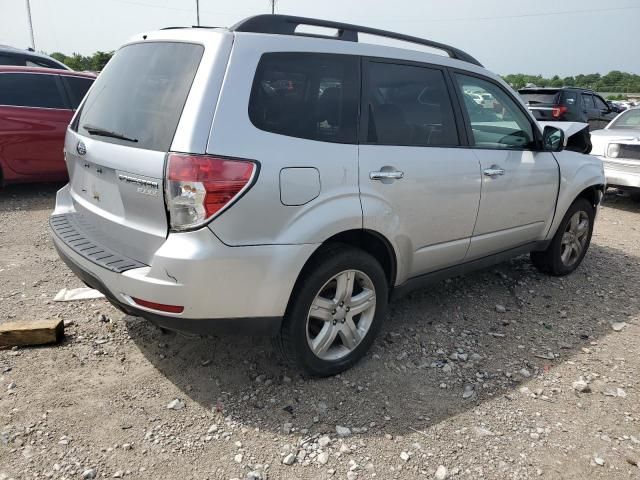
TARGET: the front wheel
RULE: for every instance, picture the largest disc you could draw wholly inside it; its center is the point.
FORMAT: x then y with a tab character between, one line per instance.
336	310
570	243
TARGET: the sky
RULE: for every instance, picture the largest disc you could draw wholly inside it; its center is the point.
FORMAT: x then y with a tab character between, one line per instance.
548	37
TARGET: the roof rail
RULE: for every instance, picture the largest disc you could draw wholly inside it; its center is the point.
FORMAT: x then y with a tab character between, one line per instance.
286	25
192	26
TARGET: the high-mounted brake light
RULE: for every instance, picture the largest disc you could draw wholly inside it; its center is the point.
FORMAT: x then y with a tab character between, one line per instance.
558	111
199	187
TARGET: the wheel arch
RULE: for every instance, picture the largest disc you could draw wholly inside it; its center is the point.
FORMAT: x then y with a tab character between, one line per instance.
374	243
593	194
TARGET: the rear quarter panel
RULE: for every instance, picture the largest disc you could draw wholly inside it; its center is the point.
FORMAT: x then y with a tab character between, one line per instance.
260	217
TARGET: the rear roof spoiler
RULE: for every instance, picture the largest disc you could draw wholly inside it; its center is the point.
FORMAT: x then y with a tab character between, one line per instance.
287	25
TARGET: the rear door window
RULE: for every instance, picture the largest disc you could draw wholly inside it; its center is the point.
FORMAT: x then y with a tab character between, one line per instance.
409	105
587	101
31	90
307	95
141	93
77	88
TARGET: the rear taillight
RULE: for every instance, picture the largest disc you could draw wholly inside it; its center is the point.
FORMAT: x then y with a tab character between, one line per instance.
558	111
198	187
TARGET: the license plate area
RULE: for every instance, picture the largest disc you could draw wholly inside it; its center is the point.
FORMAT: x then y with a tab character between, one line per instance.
96	184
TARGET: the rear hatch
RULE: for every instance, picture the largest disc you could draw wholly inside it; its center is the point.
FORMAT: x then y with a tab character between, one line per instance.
117	144
541	102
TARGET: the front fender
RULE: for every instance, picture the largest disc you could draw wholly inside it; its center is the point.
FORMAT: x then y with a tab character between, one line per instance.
577	173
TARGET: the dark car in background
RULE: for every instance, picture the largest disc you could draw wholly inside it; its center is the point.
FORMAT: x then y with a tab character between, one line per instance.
568	104
36	105
28	58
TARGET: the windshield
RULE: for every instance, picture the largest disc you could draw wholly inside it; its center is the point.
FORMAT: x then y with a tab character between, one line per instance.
140	95
628	119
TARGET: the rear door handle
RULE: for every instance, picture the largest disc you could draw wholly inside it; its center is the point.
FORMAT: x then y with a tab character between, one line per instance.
393	175
493	171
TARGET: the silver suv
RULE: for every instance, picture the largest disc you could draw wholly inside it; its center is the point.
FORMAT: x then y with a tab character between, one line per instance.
264	179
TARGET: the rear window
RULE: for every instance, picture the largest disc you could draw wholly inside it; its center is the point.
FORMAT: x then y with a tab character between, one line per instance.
141	93
307	95
533	98
30	90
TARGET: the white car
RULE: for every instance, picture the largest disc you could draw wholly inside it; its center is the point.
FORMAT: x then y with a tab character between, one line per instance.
618	146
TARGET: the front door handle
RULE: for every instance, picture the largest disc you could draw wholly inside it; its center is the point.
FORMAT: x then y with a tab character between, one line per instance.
380	175
493	171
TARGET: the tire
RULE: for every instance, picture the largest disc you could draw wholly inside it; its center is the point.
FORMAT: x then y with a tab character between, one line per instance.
635	194
555	260
318	287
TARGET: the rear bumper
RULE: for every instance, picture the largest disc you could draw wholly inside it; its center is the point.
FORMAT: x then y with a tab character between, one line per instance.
222	288
246	326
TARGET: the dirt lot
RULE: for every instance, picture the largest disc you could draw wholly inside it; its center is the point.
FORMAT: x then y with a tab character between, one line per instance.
455	387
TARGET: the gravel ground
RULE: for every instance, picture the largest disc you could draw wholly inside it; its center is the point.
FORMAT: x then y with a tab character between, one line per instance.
501	374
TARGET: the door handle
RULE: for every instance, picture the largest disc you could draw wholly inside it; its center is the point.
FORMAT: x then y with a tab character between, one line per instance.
393	175
493	171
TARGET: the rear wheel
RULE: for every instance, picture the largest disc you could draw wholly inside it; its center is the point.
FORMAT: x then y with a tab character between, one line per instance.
570	243
336	310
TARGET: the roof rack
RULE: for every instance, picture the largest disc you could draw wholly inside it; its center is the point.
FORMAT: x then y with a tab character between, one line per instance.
287	25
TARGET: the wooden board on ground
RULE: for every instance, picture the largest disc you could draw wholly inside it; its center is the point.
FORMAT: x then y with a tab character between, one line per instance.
31	332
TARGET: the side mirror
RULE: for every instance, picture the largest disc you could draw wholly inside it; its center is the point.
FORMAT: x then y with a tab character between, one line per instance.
552	139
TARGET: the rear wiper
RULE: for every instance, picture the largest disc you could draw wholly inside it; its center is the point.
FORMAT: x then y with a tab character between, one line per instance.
107	133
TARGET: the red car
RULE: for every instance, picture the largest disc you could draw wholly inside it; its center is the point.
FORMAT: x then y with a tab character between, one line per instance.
36	105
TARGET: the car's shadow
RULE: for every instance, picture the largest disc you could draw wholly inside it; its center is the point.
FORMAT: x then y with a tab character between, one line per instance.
29	196
621	200
401	384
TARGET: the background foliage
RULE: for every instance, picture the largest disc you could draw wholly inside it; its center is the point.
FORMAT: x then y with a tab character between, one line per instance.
94	63
615	81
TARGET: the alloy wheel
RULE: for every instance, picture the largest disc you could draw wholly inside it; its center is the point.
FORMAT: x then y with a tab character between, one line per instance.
341	315
574	239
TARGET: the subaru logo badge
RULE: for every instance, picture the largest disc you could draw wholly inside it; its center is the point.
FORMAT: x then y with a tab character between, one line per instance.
80	148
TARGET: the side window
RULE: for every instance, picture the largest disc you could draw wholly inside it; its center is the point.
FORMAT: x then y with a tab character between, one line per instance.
587	101
307	95
30	90
77	87
496	124
409	105
600	105
569	98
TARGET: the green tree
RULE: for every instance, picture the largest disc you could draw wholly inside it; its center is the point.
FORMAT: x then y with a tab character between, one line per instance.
78	62
614	81
99	60
61	57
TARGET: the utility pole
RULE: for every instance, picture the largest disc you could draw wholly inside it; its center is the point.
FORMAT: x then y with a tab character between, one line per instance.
33	42
197	12
273	6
